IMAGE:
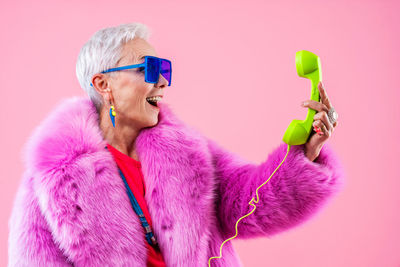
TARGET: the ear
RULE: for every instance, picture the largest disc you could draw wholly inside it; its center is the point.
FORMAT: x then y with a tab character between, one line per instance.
101	84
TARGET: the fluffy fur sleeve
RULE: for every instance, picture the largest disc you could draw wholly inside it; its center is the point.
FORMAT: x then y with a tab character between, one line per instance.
297	190
30	241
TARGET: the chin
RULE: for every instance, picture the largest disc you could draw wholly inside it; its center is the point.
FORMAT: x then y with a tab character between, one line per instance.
153	122
151	119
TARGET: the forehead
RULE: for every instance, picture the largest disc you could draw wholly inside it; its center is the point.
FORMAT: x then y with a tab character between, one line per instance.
134	50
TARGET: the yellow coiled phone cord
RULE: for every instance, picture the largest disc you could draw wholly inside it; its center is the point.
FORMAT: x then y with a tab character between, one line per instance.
250	203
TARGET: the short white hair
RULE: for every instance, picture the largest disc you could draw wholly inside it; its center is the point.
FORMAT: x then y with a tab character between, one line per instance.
102	51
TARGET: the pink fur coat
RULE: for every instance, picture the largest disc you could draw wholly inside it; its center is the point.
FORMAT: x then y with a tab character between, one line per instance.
72	209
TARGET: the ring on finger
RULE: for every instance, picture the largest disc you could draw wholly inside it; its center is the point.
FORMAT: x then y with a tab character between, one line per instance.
332	115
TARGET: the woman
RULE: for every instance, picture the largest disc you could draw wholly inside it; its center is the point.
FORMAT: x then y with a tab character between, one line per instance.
116	179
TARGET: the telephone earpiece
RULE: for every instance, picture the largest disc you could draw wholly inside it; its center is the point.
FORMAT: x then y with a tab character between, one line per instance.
308	65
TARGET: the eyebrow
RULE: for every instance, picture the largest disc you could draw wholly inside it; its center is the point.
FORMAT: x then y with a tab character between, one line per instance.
145	56
142	58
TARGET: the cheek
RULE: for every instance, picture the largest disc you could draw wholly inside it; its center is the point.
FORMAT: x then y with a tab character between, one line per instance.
134	94
137	99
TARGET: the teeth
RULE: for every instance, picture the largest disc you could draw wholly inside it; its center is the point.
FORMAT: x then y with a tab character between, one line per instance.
154	98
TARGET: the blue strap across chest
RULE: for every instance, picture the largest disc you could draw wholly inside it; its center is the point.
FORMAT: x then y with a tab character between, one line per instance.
149	234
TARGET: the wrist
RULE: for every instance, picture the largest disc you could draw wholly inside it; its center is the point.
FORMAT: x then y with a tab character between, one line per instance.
310	156
311	152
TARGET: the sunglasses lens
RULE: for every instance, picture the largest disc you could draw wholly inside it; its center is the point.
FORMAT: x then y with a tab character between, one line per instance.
152	70
166	70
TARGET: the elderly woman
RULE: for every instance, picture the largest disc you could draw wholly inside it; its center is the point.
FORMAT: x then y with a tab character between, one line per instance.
116	179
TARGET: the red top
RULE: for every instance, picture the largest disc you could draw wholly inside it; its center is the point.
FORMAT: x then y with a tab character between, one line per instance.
132	169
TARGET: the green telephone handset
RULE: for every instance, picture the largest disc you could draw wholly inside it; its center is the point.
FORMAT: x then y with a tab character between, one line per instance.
308	65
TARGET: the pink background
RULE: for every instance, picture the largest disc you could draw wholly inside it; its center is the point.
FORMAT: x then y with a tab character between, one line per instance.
234	79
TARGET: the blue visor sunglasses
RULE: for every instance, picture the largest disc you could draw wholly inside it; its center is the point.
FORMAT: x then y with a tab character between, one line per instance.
153	67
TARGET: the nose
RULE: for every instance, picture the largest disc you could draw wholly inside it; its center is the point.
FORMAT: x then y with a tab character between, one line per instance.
162	82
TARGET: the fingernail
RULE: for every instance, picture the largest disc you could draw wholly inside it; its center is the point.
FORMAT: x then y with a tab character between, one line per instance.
303	103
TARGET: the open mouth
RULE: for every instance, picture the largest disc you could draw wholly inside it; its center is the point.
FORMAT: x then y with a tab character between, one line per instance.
153	100
152	103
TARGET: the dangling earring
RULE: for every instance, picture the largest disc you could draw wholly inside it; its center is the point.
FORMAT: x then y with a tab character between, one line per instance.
112	114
